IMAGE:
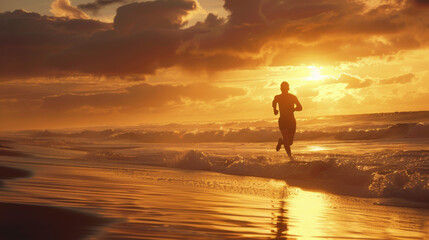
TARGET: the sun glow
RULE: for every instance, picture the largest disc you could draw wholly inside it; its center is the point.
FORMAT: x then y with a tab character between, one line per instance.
315	74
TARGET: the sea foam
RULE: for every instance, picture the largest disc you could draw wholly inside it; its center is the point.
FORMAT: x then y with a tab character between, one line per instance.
332	175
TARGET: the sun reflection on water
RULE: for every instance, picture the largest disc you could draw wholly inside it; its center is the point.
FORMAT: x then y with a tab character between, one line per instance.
315	148
306	210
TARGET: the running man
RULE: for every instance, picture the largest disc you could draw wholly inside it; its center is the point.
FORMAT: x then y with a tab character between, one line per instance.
288	104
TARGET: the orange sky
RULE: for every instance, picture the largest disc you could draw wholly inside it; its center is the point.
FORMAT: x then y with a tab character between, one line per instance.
67	64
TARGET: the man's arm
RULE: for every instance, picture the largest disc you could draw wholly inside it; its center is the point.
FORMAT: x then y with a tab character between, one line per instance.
275	106
298	105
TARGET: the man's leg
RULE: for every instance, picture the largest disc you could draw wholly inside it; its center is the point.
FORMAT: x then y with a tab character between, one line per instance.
291	132
286	142
279	144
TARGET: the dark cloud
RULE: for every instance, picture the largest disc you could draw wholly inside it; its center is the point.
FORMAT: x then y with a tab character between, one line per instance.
420	3
145	37
150	35
28	41
153	15
95	6
143	96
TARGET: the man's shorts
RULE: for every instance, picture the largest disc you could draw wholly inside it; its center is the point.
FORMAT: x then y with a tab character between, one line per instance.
288	126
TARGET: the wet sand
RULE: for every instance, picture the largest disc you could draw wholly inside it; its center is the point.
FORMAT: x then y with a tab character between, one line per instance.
143	202
11	153
25	221
28	221
10	173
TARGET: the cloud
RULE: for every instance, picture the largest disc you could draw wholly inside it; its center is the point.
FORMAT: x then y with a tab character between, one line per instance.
307	91
151	35
406	78
28	41
420	3
63	8
144	37
347	101
353	82
356	82
142	96
95	6
37	91
84	102
152	15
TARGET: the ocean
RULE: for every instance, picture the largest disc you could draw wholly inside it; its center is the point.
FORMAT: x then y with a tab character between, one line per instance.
354	176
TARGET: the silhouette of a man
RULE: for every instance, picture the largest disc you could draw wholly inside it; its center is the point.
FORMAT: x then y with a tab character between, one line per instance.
288	104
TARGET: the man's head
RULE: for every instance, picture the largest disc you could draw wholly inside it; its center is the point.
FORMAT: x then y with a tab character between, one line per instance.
284	87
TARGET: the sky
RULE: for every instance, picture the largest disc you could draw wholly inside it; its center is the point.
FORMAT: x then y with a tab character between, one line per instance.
66	64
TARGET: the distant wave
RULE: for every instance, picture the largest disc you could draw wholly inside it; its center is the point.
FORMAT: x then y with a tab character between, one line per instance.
331	175
400	130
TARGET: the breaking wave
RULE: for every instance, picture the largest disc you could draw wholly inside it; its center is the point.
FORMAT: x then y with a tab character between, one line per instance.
401	130
331	174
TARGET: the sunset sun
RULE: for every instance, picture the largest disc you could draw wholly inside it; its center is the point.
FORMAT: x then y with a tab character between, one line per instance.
315	73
